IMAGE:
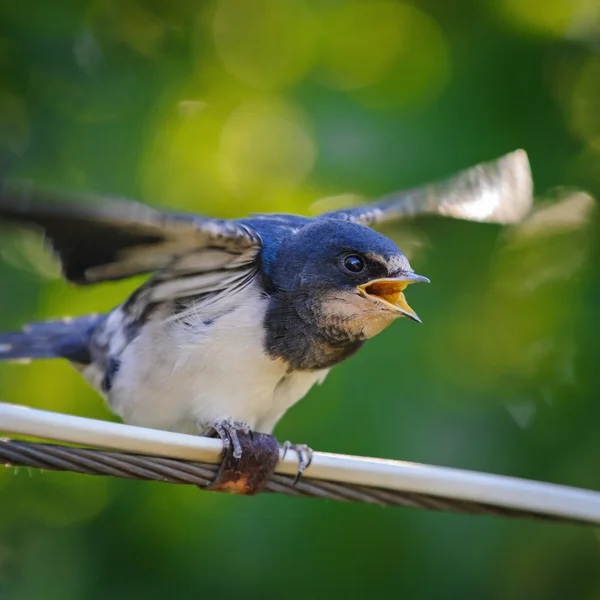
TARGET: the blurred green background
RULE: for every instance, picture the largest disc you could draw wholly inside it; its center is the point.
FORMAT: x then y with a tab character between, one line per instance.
234	106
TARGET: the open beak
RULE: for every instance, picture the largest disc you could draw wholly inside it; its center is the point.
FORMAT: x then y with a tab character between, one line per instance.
389	291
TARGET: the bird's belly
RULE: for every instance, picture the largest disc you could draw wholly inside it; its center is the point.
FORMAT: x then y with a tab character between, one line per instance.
181	379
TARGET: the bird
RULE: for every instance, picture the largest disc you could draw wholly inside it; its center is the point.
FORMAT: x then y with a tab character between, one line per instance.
239	318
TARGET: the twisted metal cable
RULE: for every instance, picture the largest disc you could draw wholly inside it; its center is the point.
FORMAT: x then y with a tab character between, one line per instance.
91	461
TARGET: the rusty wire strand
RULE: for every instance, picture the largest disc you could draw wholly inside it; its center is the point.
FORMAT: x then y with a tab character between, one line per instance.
92	461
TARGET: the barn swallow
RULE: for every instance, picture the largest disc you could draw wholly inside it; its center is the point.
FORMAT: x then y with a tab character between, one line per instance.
239	318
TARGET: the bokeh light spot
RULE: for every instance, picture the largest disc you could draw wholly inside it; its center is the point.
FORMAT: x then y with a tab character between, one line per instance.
230	158
577	19
266	43
363	41
265	147
392	53
180	166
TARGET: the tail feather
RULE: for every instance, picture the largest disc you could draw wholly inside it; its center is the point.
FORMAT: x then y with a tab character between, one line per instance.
64	338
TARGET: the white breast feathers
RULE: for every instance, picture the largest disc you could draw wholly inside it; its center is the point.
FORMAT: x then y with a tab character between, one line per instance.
184	372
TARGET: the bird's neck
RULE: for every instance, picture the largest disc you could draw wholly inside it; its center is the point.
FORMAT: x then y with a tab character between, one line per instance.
294	333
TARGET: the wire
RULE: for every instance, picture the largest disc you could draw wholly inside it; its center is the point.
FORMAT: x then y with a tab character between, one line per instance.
130	466
156	455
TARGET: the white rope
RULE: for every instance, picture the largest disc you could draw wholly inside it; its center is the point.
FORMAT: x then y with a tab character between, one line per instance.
510	492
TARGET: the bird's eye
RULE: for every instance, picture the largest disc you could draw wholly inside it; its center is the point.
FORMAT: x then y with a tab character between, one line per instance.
354	263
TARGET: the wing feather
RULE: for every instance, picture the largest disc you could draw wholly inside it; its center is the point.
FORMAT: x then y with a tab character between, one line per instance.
101	239
500	191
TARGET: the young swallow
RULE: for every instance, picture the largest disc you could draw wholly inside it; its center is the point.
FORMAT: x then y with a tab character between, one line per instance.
239	318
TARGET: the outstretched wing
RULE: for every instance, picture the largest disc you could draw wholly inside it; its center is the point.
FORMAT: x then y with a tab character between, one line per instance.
101	239
500	191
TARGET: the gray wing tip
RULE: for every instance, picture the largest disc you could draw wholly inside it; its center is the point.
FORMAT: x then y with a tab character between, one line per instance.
498	191
515	170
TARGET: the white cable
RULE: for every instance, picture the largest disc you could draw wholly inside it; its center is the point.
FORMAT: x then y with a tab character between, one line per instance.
546	498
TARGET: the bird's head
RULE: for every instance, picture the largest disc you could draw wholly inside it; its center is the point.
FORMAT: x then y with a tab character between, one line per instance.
346	279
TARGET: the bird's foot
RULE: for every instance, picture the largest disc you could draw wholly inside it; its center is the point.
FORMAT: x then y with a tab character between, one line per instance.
304	453
228	432
249	458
